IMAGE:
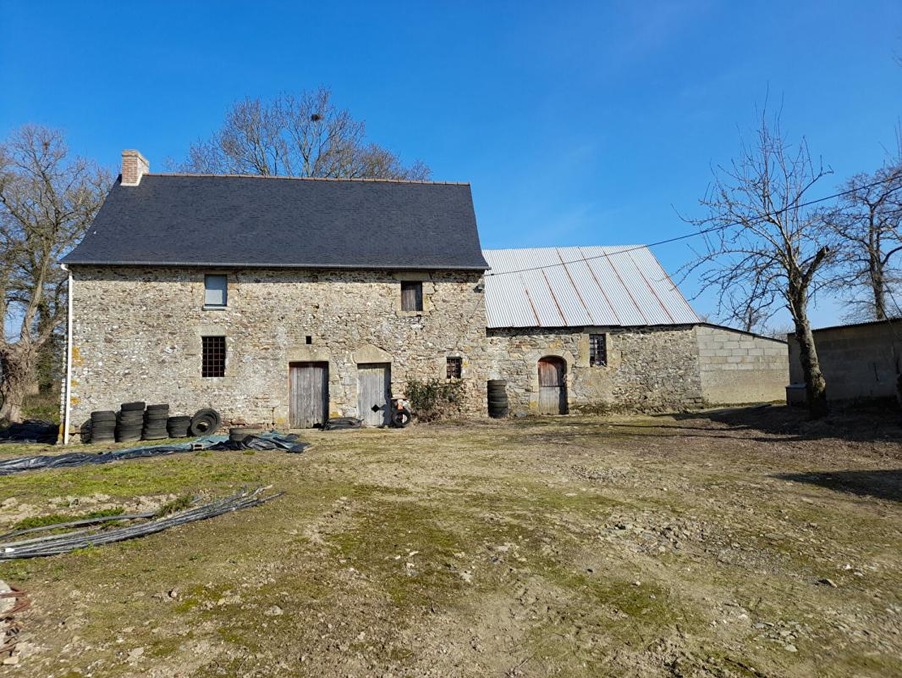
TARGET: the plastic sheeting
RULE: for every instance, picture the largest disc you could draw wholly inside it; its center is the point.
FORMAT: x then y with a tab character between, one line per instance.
30	431
76	539
271	440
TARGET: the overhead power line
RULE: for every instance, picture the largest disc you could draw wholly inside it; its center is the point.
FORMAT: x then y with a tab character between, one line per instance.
695	234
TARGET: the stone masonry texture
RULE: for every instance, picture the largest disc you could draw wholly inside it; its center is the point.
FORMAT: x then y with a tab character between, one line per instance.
137	336
648	369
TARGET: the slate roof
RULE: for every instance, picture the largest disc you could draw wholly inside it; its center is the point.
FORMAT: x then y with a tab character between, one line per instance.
218	221
579	287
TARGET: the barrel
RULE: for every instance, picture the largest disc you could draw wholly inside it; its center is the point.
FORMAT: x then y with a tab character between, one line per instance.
497	393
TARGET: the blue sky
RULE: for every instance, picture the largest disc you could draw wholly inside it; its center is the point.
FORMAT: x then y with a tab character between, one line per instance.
576	123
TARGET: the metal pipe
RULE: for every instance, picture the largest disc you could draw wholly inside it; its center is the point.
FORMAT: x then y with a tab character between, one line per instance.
68	391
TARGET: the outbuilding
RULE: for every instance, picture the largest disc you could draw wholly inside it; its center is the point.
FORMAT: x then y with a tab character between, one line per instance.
605	328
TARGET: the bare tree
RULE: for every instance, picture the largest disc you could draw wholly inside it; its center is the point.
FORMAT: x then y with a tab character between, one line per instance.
47	201
867	231
763	246
304	136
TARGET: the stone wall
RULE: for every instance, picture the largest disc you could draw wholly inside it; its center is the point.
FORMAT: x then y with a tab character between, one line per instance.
859	362
653	368
137	336
739	367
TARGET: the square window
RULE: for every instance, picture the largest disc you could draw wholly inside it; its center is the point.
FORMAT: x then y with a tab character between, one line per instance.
411	296
598	349
216	291
455	368
214	357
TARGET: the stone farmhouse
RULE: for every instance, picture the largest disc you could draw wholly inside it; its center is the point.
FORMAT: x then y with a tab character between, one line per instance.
286	301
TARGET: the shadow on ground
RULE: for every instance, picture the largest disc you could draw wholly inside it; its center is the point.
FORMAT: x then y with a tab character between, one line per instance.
883	484
862	423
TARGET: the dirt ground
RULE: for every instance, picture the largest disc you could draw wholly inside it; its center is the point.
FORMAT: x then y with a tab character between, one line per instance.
740	543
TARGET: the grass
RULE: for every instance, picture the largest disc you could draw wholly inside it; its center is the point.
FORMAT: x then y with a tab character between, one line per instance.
481	549
44	406
175	505
57	518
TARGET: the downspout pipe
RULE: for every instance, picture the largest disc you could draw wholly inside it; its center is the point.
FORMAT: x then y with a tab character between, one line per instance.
68	388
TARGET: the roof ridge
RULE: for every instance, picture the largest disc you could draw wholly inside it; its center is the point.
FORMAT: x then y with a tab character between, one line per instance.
560	247
347	179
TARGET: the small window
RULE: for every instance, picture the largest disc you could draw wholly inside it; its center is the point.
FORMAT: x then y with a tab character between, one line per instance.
411	296
216	291
455	368
214	357
598	350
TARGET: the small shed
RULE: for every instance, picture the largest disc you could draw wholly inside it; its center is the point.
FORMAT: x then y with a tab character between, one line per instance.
860	362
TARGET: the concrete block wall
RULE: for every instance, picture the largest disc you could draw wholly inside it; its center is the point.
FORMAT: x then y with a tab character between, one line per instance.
738	367
859	362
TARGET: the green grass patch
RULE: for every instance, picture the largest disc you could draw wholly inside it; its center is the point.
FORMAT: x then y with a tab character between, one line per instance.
175	505
56	518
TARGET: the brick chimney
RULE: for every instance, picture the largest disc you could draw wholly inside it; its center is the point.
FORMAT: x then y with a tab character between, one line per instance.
134	166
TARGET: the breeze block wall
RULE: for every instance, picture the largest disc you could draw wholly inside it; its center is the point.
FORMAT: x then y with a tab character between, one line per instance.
739	367
137	336
859	362
648	368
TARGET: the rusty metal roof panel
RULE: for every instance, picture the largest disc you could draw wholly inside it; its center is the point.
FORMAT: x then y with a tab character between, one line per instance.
673	305
567	295
581	286
611	283
641	287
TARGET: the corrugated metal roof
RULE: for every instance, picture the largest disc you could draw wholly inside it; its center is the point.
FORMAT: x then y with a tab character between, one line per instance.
581	286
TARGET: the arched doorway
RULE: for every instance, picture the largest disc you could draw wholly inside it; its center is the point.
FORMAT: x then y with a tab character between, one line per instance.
552	385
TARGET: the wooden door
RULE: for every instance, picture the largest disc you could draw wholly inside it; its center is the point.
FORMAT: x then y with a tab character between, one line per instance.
552	386
309	394
374	390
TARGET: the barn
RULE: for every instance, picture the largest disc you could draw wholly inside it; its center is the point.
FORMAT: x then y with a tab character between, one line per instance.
605	328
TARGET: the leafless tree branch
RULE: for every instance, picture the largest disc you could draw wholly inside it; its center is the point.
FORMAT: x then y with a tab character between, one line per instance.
762	246
47	201
302	135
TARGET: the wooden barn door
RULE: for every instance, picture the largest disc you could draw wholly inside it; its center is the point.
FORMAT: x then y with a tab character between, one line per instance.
309	394
552	386
374	389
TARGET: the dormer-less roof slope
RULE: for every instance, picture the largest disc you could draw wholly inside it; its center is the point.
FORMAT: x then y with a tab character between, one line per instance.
220	221
580	287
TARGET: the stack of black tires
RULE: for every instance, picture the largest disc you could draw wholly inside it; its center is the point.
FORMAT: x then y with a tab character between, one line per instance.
205	422
103	426
155	419
136	422
497	395
129	422
178	426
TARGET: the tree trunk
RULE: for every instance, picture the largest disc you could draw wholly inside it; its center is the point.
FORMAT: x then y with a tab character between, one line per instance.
878	288
17	365
815	384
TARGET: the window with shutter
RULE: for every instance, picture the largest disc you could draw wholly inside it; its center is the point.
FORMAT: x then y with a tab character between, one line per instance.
411	296
216	291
